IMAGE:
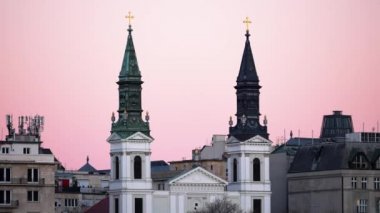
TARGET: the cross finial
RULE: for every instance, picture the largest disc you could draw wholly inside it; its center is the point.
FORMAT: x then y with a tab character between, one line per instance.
129	17
247	22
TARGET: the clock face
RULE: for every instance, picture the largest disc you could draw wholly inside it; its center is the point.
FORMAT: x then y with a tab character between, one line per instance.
253	124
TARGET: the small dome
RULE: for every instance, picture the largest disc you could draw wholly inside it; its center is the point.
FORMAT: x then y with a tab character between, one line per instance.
87	167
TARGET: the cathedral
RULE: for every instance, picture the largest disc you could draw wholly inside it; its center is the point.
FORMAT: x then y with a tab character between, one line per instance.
132	188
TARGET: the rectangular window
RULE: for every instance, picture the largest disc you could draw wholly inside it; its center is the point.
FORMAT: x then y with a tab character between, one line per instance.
116	205
256	205
364	183
5	174
5	150
26	151
376	182
33	175
5	197
362	206
353	182
138	205
32	196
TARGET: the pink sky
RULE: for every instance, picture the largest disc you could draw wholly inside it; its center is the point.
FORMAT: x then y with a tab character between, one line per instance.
61	59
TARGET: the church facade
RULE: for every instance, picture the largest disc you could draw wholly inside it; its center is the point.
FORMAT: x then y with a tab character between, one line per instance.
247	149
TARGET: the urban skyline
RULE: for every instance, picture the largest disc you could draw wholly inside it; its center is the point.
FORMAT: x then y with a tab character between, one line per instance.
61	60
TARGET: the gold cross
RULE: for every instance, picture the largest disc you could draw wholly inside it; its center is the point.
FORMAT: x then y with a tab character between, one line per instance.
129	17
247	22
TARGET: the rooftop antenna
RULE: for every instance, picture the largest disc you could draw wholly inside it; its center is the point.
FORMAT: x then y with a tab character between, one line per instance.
9	121
363	127
285	137
377	126
312	137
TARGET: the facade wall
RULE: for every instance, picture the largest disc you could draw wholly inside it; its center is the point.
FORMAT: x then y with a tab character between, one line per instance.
332	191
161	202
19	187
279	165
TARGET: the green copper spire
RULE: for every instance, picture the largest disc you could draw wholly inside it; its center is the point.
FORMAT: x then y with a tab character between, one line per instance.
130	67
129	113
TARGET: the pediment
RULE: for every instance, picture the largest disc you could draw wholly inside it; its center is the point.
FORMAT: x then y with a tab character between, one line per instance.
113	137
139	136
254	140
198	176
258	139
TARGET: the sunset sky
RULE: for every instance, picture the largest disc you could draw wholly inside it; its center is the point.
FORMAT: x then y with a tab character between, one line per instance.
61	59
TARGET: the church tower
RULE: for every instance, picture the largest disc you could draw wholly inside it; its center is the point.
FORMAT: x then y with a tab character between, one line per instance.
248	146
130	187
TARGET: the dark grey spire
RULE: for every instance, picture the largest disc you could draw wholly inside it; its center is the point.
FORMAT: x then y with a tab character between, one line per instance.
248	99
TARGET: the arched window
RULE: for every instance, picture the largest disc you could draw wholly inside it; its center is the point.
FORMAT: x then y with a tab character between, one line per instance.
117	168
377	163
137	167
234	170
256	169
359	162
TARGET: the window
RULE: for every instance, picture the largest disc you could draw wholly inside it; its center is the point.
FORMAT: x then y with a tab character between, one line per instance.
5	197
377	164
117	168
71	202
256	205
32	175
364	183
26	151
32	196
211	167
5	174
376	183
138	205
5	150
256	169
234	170
359	162
353	182
116	205
361	206
137	167
378	206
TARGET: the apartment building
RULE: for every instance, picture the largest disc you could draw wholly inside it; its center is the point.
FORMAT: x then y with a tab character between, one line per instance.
26	169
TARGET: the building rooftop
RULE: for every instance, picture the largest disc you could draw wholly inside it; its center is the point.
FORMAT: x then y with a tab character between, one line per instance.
336	156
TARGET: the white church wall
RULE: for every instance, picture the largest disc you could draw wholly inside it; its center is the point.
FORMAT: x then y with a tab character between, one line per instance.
161	201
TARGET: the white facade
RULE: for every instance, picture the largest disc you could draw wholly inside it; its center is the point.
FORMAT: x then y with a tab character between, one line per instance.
191	190
248	171
127	188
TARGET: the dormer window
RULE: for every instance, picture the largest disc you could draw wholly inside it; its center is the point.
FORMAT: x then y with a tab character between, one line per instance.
359	162
377	163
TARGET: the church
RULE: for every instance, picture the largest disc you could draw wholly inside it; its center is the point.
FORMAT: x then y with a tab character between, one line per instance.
132	188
